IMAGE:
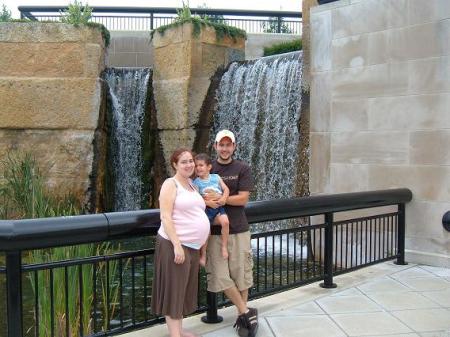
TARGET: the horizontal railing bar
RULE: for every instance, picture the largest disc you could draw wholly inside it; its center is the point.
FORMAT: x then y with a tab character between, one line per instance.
86	260
372	217
63	231
346	270
164	10
288	231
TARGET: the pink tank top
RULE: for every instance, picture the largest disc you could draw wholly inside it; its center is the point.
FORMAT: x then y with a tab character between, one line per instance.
188	217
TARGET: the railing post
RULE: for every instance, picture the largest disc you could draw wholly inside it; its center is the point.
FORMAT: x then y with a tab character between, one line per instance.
151	21
211	312
279	23
14	293
401	236
328	256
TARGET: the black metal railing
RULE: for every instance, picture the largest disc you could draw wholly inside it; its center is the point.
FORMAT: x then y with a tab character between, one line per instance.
143	18
109	290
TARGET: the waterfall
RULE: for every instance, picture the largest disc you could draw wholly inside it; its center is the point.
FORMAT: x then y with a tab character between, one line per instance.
128	92
260	102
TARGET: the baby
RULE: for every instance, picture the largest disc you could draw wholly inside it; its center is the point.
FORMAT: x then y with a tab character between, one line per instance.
212	184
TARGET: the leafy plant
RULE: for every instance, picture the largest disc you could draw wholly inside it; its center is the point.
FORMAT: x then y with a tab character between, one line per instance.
76	14
5	14
276	25
184	13
283	47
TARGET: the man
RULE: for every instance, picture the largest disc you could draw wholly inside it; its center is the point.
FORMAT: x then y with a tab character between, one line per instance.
233	276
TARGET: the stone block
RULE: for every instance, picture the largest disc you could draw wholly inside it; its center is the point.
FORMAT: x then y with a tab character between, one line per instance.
372	81
94	60
122	60
44	59
420	41
212	57
424	219
430	147
321	38
171	99
65	156
416	112
320	102
172	61
378	47
172	36
427	183
319	172
38	32
370	147
144	60
429	75
350	51
434	10
349	178
349	115
49	103
397	13
174	139
197	90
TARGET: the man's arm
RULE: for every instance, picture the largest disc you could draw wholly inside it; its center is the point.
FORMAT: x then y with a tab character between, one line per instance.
239	199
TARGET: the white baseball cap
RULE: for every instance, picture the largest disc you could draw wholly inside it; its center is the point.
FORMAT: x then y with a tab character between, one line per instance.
225	133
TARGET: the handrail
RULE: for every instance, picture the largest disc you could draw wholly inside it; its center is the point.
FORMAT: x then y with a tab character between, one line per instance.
61	231
164	10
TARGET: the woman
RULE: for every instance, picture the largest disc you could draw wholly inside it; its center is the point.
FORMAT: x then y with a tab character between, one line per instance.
184	229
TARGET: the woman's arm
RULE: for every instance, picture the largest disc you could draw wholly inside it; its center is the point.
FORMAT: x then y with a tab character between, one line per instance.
167	197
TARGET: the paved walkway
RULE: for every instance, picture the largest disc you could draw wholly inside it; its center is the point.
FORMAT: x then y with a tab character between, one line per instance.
381	300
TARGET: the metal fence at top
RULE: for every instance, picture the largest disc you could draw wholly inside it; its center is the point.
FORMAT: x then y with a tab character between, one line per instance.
145	19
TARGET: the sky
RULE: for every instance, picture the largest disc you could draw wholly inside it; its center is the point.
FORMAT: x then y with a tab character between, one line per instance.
285	5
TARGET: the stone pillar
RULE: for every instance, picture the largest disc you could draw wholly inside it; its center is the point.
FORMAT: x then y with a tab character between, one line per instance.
183	67
50	95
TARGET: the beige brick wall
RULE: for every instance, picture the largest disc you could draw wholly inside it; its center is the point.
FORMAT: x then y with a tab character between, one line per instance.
50	99
380	109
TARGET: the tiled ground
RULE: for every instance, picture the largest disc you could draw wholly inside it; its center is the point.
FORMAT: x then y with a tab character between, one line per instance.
382	300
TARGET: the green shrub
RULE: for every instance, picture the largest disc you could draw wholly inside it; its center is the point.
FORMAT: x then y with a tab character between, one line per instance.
184	15
283	47
5	14
76	14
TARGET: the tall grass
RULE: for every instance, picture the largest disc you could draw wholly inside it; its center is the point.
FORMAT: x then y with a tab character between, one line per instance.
24	194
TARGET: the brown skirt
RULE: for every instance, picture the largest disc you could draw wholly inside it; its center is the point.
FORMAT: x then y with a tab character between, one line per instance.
175	286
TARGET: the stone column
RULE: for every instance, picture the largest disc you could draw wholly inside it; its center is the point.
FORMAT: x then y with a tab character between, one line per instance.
50	95
183	67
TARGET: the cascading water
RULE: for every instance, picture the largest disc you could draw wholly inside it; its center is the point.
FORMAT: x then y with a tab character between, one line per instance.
260	102
128	91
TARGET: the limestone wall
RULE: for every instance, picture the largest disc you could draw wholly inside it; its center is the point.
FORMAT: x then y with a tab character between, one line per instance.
380	109
134	48
183	68
50	95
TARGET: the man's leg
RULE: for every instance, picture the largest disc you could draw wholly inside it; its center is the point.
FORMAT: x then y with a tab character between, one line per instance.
234	295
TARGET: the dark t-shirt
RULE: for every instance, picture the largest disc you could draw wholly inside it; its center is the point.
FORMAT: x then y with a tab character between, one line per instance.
237	176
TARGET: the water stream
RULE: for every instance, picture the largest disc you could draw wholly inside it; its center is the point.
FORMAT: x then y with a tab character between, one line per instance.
260	102
128	91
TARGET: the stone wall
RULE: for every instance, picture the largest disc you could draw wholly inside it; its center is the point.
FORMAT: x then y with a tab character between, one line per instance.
134	48
130	49
380	109
50	95
183	68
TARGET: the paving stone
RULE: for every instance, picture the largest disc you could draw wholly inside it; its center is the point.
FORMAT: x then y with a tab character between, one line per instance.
427	283
309	308
443	272
368	324
424	320
381	285
346	304
442	297
403	300
304	326
412	273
